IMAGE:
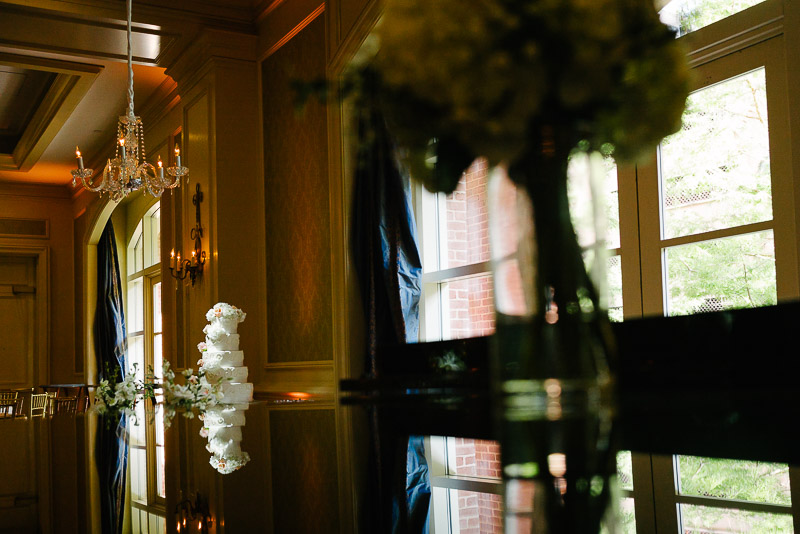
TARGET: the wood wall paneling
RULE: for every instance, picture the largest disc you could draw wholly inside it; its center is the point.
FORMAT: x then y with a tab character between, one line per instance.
304	470
197	151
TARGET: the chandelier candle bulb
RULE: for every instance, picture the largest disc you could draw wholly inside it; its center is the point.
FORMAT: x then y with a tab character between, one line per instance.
122	147
80	158
177	156
160	168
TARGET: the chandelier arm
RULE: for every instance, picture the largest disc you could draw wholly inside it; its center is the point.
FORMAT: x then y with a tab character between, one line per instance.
172	184
130	60
97	189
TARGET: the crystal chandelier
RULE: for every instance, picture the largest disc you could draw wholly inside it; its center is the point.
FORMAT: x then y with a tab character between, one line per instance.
128	171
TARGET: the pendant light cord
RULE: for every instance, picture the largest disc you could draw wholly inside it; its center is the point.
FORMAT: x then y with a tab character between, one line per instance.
130	61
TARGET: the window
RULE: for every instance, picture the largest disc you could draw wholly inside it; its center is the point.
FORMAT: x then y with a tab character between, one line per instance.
712	230
146	460
707	225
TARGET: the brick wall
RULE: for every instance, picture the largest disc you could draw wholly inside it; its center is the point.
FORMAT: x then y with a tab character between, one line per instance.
470	301
470	313
479	513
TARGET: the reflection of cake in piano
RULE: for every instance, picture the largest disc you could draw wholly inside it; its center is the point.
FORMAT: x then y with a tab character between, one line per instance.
223	364
223	428
222	360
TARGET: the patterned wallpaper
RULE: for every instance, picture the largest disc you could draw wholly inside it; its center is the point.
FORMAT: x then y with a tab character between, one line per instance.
297	205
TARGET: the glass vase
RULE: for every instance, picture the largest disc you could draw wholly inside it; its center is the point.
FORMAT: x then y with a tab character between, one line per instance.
552	383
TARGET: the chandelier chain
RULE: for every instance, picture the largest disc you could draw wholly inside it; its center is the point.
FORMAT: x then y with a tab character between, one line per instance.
130	60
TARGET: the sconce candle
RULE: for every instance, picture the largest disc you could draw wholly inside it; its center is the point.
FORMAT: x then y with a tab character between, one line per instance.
180	267
172	259
80	158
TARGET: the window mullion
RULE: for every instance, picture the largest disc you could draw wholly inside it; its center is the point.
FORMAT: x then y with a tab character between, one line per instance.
629	241
794	488
643	502
667	518
650	237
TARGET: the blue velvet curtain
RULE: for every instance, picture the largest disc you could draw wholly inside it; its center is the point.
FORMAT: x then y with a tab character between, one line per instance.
389	269
110	345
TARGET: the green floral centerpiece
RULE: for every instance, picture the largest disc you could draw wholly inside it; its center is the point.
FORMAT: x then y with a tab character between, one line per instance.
457	82
526	85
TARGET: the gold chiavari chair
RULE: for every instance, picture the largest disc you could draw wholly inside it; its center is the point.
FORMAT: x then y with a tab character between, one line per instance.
39	404
23	394
51	398
64	405
8	403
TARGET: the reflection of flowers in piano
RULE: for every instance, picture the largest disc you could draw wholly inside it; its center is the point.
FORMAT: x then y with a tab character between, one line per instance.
197	393
114	398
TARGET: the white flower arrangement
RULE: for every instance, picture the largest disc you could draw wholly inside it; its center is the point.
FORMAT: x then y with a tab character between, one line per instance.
229	464
202	347
121	398
197	393
223	310
214	333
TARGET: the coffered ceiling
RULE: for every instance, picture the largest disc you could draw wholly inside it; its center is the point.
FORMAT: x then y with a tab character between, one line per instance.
63	75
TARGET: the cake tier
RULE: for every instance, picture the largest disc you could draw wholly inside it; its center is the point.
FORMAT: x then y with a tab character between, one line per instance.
223	447
229	417
227	374
225	433
229	464
236	393
223	342
228	325
214	359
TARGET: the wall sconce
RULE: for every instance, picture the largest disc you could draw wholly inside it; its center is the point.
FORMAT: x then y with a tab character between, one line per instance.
193	266
193	516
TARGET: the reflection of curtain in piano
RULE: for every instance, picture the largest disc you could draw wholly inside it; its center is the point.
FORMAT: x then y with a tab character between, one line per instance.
110	345
389	269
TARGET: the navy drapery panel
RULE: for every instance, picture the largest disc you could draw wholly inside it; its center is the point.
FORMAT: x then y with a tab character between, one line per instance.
389	269
110	345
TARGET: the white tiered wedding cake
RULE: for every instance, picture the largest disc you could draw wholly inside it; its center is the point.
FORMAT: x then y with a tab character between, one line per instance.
222	362
222	359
